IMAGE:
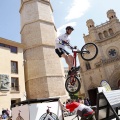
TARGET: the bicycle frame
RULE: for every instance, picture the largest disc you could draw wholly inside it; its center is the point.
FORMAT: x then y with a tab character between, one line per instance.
74	56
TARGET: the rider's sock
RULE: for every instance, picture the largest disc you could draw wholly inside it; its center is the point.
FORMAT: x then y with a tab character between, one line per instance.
72	68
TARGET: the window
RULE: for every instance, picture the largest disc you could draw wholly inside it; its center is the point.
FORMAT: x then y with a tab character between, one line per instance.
100	35
105	33
14	67
88	66
1	44
14	84
112	52
13	49
111	31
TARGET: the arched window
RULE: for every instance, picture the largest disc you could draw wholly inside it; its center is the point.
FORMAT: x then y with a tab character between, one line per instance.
88	65
105	33
100	35
111	31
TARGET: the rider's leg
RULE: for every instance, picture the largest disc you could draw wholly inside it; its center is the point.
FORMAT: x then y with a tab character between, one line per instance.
71	59
67	60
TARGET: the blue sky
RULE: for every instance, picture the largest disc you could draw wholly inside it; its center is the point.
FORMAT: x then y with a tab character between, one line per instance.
65	12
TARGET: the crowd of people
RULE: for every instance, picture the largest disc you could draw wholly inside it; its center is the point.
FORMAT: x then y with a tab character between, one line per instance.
5	115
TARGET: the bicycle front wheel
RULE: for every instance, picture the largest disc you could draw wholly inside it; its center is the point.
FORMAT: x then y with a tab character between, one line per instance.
72	84
89	51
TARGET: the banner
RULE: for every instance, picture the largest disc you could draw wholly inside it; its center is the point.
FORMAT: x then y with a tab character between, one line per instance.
45	111
20	113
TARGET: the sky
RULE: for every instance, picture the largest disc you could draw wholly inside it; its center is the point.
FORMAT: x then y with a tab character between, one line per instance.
65	12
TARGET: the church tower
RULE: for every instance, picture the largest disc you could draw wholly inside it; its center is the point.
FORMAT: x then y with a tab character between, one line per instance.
106	66
43	69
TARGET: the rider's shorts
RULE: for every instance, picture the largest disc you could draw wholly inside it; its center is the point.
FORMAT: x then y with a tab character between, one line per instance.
61	51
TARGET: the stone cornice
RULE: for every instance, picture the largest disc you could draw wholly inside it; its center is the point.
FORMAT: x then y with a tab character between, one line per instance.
38	45
110	60
42	1
107	61
12	43
40	20
45	76
108	38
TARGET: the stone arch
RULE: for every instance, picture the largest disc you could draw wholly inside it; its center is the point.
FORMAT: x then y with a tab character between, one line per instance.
115	78
100	35
111	31
105	33
92	86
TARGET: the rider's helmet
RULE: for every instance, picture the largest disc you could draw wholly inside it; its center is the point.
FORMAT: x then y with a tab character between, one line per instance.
69	27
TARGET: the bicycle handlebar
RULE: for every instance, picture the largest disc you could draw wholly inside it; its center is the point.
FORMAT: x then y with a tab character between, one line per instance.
71	47
67	44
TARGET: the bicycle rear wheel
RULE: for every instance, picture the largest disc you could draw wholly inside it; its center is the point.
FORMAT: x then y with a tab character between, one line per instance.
89	51
72	84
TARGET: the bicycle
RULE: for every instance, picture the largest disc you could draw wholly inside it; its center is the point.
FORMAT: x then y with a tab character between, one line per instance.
88	52
49	115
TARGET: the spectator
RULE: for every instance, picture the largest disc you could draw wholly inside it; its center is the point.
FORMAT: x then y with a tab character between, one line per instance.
0	117
8	112
3	111
4	116
86	102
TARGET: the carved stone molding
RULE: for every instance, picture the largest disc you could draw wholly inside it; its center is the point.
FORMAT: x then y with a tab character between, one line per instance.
4	82
110	60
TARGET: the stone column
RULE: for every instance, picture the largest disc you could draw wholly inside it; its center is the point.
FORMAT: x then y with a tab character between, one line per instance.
43	69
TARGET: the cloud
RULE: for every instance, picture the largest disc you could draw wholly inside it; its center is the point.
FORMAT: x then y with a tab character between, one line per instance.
61	2
78	9
62	28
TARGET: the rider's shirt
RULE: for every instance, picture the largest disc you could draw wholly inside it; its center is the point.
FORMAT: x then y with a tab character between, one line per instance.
75	106
72	106
63	37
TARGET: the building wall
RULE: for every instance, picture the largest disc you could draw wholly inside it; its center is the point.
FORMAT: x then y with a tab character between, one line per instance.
6	56
106	66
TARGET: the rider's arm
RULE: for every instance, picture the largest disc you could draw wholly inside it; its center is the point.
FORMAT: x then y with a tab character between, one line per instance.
64	107
62	39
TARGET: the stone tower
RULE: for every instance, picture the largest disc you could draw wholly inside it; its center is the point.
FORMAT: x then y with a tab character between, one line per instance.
43	70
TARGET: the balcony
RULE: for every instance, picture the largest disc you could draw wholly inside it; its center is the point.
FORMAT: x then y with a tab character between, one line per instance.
14	71
15	89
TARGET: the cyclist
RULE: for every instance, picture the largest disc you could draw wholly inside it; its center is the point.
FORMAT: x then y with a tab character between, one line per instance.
82	110
60	48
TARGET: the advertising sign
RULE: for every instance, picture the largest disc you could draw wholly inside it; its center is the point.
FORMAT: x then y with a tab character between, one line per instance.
45	111
37	109
106	85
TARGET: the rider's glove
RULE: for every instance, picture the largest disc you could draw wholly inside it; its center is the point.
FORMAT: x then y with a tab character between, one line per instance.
75	47
65	42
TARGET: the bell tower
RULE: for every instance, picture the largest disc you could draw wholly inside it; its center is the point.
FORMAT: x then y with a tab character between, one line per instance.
43	69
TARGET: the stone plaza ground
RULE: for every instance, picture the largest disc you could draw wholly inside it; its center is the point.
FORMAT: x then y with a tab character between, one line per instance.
73	116
70	118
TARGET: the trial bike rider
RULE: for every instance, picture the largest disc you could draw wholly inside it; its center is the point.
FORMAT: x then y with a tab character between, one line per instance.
60	48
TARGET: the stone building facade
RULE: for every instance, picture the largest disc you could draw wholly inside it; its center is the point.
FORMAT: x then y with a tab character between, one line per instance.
106	66
12	82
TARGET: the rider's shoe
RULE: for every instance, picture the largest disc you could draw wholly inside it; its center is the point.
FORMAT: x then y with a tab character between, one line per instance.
77	68
69	72
73	69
